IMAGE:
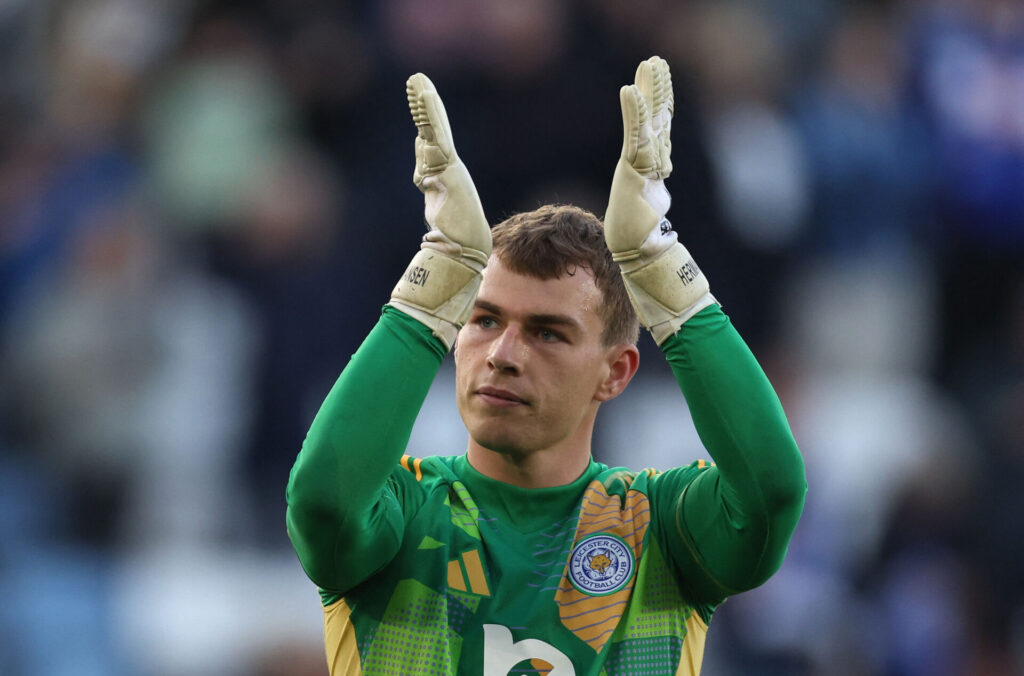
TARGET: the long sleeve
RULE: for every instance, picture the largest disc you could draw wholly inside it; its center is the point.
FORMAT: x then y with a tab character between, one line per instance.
728	527
345	517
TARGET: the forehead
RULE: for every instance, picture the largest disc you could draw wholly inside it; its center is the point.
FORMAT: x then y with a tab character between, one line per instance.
575	294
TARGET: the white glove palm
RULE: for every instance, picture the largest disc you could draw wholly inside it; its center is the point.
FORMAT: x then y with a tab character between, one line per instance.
664	283
440	285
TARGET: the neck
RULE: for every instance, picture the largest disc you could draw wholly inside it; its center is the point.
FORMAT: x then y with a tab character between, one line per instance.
558	465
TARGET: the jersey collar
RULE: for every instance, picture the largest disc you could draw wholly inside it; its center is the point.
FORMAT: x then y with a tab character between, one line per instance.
525	509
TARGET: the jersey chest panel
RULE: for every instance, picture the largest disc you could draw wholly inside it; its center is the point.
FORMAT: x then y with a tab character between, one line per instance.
470	594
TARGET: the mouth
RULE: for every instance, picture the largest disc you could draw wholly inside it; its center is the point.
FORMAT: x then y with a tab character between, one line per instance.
495	396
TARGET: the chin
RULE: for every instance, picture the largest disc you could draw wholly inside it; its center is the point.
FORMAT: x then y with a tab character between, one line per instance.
495	436
500	444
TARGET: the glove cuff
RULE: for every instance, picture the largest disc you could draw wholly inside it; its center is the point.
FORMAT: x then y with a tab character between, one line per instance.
439	291
667	291
668	328
444	330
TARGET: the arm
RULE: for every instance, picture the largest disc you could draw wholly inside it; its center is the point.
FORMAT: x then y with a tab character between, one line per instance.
344	518
726	528
346	512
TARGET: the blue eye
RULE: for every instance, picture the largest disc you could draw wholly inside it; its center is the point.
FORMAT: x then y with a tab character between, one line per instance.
487	322
548	336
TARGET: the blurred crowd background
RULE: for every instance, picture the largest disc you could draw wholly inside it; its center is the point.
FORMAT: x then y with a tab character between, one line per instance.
204	205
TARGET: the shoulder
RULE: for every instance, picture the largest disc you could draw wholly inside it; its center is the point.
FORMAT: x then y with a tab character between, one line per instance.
619	480
415	482
427	471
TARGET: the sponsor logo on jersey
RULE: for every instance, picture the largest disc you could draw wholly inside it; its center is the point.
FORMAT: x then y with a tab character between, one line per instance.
601	564
471	570
502	653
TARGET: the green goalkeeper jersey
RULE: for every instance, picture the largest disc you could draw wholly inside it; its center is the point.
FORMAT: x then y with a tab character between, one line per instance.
426	566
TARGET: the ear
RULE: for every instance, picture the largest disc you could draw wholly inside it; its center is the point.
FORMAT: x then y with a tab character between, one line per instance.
623	361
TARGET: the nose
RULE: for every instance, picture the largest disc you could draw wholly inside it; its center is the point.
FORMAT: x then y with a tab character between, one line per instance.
508	352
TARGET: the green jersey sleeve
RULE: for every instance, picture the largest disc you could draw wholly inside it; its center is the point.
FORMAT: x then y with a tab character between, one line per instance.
346	507
726	526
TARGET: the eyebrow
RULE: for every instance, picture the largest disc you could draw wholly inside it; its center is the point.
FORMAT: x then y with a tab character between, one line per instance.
546	319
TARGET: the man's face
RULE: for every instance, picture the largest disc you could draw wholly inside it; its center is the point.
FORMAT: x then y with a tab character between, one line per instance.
530	367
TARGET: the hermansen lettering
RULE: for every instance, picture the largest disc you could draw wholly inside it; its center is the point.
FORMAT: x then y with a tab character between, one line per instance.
417	275
688	272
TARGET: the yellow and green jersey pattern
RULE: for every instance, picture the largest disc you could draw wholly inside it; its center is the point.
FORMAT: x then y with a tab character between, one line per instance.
569	582
428	567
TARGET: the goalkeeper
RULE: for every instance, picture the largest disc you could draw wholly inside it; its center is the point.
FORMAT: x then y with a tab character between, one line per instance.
525	555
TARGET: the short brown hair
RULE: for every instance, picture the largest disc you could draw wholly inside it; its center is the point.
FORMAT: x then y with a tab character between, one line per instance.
548	242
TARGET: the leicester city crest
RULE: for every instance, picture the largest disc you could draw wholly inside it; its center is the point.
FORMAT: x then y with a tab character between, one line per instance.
601	564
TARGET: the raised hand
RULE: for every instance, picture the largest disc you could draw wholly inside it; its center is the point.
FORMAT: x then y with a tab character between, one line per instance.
663	281
440	284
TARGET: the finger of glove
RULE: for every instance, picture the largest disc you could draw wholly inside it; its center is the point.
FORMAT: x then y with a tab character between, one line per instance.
438	119
415	86
434	150
654	79
636	129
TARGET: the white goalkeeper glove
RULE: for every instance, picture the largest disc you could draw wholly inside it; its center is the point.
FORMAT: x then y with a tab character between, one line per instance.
440	285
664	283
